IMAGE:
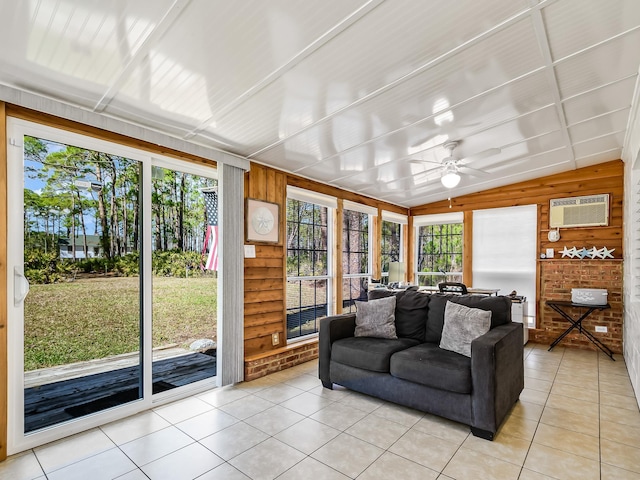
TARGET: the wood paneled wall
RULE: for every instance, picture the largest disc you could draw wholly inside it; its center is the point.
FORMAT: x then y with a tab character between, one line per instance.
598	179
265	276
602	178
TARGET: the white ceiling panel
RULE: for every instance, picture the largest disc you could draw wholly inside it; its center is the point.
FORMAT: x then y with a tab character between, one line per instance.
596	158
604	143
573	25
296	101
395	176
545	164
65	46
607	63
602	100
478	114
385	162
242	44
347	92
607	123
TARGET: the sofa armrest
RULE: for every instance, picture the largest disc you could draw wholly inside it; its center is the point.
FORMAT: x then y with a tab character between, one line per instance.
332	328
497	375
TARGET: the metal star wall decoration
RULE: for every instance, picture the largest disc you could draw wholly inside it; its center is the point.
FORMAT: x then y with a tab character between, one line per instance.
593	252
607	253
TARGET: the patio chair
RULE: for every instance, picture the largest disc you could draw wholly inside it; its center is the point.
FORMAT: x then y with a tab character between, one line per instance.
453	287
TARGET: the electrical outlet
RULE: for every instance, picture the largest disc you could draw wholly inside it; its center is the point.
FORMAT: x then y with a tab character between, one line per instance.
601	329
275	338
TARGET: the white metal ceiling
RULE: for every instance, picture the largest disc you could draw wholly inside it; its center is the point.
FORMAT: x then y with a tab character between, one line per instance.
347	92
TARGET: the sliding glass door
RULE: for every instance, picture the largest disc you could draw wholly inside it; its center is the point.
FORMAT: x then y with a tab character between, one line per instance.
81	259
112	281
185	278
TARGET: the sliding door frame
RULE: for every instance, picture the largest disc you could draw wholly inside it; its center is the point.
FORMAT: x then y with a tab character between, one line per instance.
17	440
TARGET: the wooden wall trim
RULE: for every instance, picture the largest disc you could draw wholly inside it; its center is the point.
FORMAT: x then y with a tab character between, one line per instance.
3	284
337	257
376	254
602	178
467	254
307	184
410	251
81	129
582	181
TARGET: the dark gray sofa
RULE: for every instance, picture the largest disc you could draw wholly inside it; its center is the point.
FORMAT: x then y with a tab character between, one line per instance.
413	371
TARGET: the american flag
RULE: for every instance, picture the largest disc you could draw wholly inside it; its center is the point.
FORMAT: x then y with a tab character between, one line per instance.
211	237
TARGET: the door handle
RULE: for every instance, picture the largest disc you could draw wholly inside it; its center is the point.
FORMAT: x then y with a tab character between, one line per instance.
20	286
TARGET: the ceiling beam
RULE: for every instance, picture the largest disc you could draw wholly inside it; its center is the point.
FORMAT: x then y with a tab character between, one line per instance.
543	42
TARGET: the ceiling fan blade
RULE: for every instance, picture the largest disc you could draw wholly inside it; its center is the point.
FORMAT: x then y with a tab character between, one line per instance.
474	172
484	154
419	162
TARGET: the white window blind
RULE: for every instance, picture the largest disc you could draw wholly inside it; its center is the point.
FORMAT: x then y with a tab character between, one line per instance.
394	217
438	219
309	196
359	207
504	251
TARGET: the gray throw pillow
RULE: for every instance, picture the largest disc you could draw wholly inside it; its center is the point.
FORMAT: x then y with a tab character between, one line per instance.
462	325
376	318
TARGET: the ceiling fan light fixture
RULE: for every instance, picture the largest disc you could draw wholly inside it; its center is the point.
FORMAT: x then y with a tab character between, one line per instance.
450	179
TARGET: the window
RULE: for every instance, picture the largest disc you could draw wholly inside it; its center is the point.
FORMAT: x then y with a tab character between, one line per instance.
356	261
391	244
439	249
308	261
504	252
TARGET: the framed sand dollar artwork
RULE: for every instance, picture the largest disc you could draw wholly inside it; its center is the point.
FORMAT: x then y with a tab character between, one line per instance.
263	220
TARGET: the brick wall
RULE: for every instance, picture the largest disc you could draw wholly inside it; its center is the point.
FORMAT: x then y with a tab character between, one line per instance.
257	366
557	278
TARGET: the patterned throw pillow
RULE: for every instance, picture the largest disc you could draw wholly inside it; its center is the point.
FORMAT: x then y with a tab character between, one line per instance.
376	318
462	325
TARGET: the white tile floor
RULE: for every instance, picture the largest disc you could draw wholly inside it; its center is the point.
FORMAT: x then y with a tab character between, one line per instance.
577	419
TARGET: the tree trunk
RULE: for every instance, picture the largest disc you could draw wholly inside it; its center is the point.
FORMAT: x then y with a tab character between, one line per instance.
156	207
104	235
181	213
125	223
115	233
85	248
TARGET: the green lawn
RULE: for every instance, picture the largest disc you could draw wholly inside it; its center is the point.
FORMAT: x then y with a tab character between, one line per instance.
99	317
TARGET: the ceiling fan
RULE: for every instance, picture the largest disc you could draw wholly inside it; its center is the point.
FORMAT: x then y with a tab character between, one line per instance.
453	166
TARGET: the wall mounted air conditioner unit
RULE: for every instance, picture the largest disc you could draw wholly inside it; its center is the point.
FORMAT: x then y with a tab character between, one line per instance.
587	211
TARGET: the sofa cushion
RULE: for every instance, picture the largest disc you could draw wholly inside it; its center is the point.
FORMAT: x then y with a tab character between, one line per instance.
412	308
435	316
462	325
500	307
376	318
368	353
429	365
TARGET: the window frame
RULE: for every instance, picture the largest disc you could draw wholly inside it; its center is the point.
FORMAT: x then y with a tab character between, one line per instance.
330	203
370	212
401	221
433	220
